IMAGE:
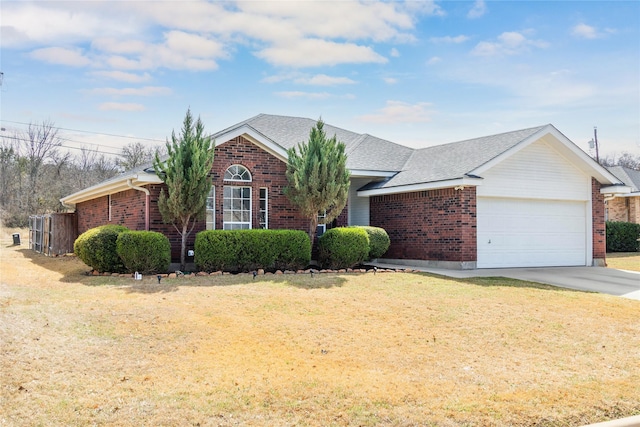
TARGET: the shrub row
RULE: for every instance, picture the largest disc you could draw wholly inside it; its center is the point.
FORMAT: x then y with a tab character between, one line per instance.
622	236
116	249
247	250
346	247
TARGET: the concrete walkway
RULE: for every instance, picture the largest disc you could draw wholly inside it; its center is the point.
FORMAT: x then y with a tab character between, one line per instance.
592	279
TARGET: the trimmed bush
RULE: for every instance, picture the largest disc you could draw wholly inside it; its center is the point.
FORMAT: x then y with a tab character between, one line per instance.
97	248
343	247
144	251
622	236
379	241
247	250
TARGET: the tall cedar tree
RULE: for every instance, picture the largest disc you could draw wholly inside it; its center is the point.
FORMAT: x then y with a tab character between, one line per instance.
318	177
185	172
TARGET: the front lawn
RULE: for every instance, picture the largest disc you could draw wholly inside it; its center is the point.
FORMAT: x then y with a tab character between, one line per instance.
624	260
391	349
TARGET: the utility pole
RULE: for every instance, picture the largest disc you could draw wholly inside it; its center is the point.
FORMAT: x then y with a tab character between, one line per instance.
594	143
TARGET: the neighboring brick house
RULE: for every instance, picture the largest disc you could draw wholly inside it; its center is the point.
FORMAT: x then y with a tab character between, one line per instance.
627	207
524	198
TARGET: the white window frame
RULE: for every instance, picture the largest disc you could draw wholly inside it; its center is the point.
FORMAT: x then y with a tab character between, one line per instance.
237	170
236	225
237	174
211	208
264	199
321	228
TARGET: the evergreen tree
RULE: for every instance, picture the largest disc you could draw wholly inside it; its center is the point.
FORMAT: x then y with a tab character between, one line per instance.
318	177
186	174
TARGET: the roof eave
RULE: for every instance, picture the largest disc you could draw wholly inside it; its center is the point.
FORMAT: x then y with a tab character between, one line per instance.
458	184
255	137
110	187
566	147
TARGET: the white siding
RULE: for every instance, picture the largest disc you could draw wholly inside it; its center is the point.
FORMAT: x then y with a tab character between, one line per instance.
358	206
536	172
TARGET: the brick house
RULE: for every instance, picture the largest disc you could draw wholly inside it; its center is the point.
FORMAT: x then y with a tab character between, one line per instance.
627	207
524	198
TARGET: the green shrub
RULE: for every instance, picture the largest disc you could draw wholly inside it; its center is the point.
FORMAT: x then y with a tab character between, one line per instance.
247	250
343	247
144	251
622	236
97	248
379	241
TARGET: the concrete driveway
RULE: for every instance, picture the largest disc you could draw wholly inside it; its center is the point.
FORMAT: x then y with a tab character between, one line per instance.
594	279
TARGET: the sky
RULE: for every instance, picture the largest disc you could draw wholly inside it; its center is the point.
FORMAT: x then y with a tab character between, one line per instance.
417	73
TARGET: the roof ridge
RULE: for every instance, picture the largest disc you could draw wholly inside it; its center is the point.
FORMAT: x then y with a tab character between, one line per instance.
537	128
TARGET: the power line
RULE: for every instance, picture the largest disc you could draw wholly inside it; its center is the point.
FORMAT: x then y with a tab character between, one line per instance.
15	138
91	132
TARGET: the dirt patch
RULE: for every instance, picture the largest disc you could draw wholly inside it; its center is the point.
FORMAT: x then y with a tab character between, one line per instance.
356	349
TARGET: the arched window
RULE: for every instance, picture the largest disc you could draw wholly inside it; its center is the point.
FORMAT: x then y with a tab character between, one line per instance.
237	207
237	173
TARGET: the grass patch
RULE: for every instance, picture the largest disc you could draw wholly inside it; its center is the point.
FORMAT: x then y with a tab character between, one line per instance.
391	349
624	260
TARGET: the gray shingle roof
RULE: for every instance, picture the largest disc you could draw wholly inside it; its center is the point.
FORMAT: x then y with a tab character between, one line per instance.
363	151
457	159
630	177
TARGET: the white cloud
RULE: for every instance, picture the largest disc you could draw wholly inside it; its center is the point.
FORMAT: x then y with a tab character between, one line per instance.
394	53
199	33
307	95
62	56
323	80
132	91
390	80
308	79
46	23
434	60
508	43
584	31
401	112
449	39
478	10
318	52
121	106
123	76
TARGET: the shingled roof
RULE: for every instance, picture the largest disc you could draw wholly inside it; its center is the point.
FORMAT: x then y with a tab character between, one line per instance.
630	177
401	168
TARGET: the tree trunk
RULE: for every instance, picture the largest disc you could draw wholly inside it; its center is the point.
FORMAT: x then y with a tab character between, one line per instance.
313	225
183	249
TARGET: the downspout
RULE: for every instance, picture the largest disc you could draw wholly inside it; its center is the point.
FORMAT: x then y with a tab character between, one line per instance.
146	202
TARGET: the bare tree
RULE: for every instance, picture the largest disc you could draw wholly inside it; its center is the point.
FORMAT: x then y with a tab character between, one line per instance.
136	154
625	159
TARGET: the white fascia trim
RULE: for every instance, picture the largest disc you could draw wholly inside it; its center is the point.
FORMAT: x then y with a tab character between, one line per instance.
363	173
617	190
479	171
455	183
110	187
256	138
588	165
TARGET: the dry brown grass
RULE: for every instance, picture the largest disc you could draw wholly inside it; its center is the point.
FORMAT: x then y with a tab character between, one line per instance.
394	349
624	260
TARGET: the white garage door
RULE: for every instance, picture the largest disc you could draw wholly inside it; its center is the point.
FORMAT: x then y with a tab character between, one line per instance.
530	233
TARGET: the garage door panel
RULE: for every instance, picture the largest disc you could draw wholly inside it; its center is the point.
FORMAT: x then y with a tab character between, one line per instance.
530	233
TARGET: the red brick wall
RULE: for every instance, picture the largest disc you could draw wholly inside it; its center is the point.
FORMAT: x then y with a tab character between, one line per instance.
599	230
92	213
266	171
436	225
128	207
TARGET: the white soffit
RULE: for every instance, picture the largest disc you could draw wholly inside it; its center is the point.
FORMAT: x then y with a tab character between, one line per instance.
458	184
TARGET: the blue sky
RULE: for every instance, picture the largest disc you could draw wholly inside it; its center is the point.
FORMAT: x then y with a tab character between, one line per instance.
416	73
